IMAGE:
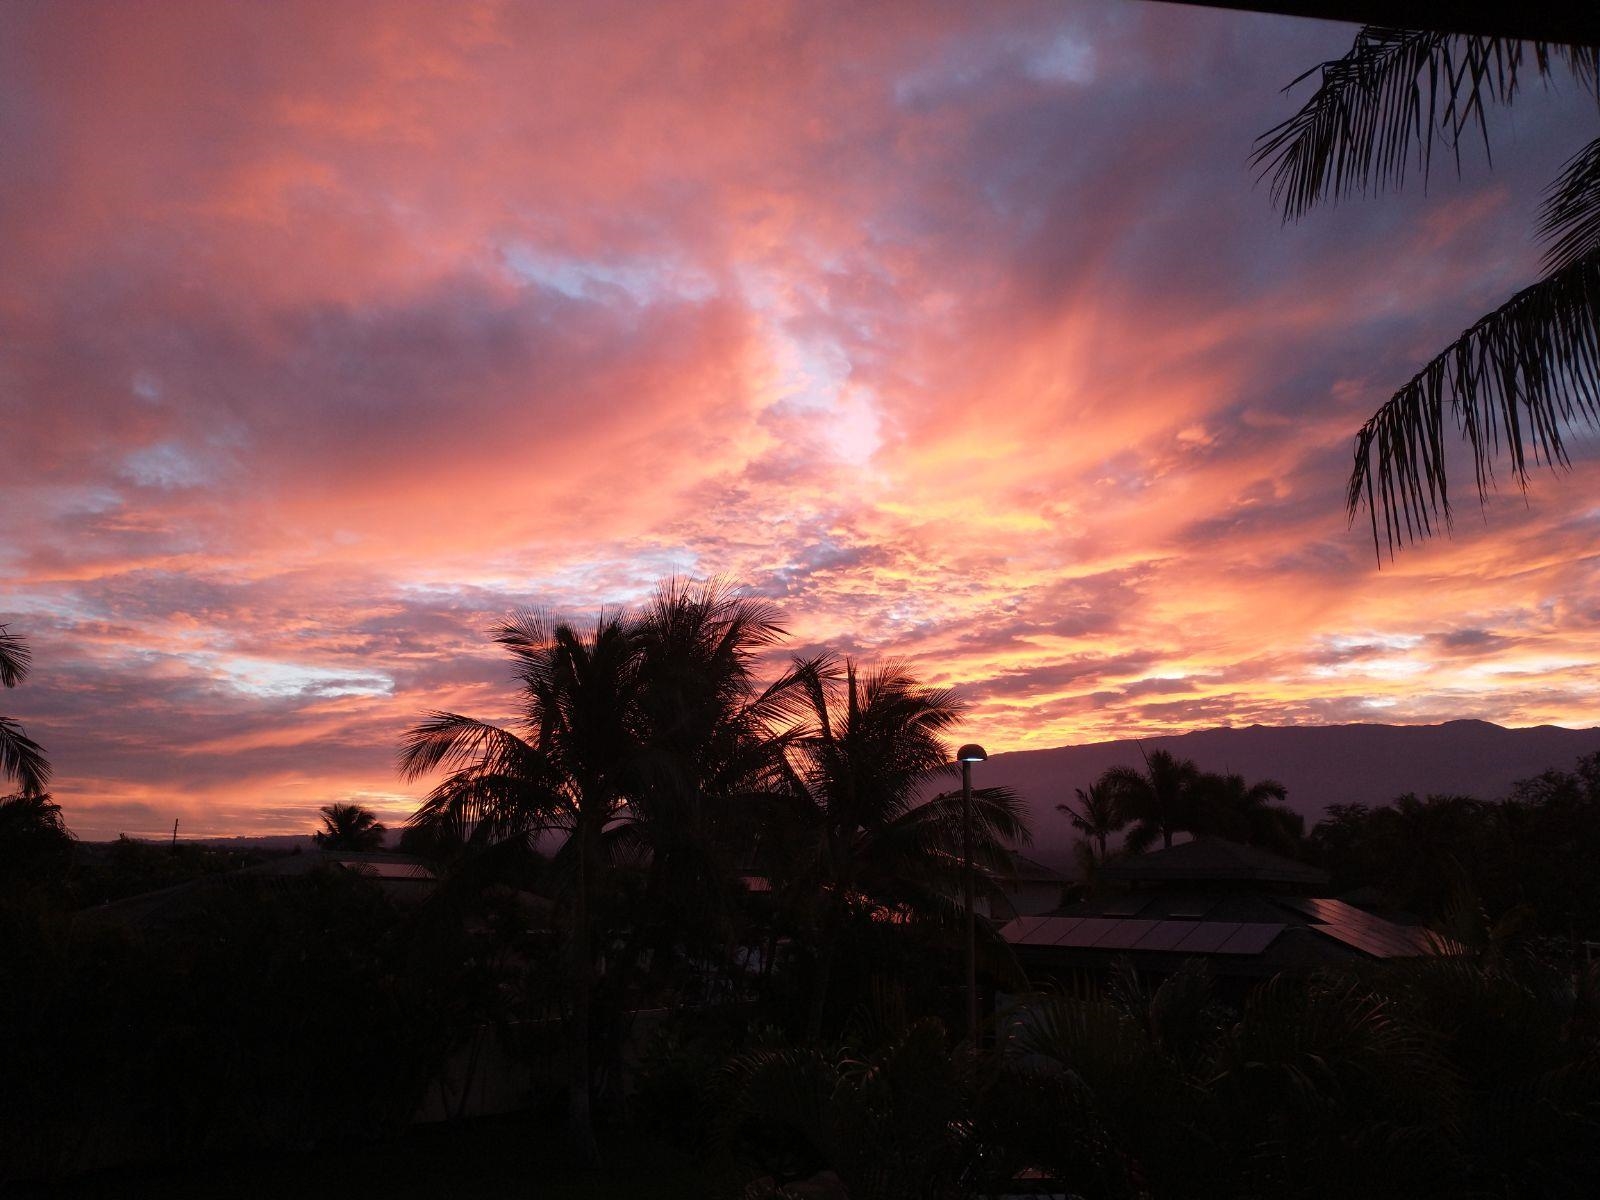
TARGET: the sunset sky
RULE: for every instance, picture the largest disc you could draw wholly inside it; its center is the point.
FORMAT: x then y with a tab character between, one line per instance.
330	332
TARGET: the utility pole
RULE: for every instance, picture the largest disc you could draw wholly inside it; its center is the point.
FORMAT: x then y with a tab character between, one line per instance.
174	835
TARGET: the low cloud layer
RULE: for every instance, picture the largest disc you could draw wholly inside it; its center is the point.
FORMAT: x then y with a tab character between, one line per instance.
329	333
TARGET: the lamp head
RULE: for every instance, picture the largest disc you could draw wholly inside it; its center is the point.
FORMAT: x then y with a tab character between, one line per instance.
970	753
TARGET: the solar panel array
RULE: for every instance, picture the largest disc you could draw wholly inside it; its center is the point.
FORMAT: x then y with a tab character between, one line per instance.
1168	937
1371	935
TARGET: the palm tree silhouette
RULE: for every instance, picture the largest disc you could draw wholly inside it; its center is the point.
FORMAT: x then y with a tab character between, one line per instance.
711	756
1516	376
1097	816
636	741
1248	812
861	834
21	758
349	827
569	769
1158	801
35	843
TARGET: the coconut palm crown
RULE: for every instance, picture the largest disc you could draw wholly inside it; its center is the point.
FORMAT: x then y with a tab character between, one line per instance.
861	831
1158	801
1097	816
349	827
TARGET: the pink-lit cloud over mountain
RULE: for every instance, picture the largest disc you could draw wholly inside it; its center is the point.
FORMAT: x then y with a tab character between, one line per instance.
330	332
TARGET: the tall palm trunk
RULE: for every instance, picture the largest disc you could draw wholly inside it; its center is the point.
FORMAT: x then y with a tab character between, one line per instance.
579	1079
819	997
833	905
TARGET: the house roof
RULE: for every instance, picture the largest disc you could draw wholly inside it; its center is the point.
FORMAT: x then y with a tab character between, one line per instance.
1027	870
1213	859
396	873
1247	932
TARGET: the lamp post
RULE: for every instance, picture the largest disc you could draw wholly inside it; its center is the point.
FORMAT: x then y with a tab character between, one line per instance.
968	755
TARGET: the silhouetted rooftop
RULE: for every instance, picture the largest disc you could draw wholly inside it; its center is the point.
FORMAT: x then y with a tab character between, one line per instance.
1210	860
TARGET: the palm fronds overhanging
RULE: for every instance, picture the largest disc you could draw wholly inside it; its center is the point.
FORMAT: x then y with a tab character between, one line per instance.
1376	111
1512	382
21	758
15	658
1569	220
1516	381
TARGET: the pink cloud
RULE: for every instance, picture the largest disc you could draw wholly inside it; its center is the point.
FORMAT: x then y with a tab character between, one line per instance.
331	332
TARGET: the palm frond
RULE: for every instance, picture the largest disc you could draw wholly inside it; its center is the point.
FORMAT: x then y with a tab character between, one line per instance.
1569	220
1377	110
1512	381
22	759
486	807
453	741
15	658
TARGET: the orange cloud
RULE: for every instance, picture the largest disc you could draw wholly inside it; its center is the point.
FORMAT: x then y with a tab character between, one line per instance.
329	333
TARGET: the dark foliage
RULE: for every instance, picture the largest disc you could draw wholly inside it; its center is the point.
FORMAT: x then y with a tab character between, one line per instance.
1528	859
265	1013
35	843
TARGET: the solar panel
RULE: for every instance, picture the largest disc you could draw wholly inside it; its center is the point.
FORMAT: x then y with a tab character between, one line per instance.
1207	936
1125	936
1048	930
1165	935
1085	932
1352	939
1018	929
1362	931
1251	938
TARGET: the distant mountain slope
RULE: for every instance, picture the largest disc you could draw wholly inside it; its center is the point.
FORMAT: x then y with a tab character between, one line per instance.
1320	765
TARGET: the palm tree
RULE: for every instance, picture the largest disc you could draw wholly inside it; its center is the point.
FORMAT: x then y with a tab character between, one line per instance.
1097	816
21	758
1518	375
1159	800
35	843
636	743
349	827
710	754
1248	812
568	768
862	836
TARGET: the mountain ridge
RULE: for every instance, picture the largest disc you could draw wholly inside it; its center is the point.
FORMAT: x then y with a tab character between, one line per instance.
1353	763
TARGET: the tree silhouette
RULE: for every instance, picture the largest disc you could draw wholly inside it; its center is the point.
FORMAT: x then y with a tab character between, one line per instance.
636	743
711	762
1159	800
21	758
349	827
1253	813
1517	376
569	769
35	843
1097	816
860	834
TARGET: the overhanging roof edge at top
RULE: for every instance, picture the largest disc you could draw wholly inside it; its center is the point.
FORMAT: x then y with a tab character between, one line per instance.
1561	21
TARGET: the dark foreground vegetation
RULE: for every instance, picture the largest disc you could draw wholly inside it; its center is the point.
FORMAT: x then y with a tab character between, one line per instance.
703	931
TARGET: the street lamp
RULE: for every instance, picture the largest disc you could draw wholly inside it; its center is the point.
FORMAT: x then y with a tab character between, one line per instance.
968	755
